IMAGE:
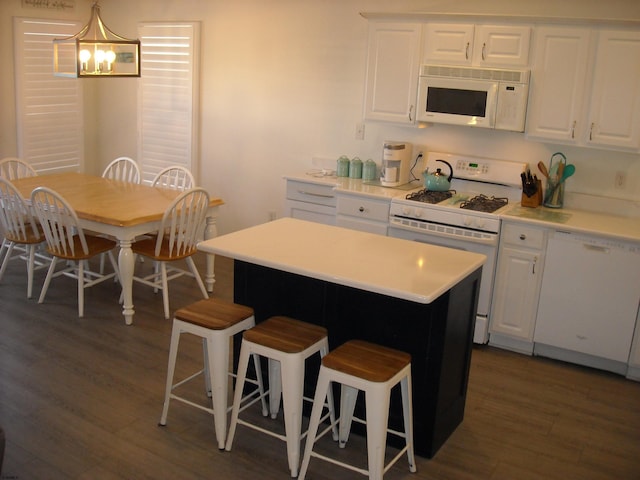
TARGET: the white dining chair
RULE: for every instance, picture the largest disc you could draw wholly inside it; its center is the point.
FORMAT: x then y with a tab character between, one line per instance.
67	241
123	168
12	168
175	177
176	240
22	233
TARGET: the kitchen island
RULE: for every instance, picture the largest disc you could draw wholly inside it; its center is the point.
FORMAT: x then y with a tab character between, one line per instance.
406	295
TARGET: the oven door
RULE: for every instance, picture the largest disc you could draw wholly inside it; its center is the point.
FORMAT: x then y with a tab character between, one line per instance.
488	270
457	101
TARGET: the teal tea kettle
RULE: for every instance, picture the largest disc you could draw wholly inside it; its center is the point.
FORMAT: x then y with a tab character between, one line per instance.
438	181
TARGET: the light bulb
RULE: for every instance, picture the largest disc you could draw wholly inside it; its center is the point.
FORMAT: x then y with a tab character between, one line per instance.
110	56
85	55
100	56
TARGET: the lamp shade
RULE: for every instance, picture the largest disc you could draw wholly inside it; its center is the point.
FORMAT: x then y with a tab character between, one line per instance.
95	51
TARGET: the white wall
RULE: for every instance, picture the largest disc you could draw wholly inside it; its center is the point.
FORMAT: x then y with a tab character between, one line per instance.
282	82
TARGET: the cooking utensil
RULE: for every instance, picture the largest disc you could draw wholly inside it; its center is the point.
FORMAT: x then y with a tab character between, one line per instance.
568	171
543	169
438	181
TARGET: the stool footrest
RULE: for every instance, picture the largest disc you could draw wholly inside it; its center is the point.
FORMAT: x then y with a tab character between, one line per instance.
193	404
188	379
263	430
341	464
247	400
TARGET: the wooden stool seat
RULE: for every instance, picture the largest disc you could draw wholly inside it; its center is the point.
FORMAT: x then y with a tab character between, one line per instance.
368	361
214	314
285	334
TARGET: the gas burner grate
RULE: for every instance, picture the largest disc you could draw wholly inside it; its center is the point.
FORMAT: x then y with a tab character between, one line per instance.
430	196
482	203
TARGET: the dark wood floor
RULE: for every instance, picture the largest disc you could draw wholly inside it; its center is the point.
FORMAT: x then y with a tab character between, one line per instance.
81	399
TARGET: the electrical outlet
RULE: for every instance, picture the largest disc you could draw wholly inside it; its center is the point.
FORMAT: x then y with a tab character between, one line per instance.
620	180
360	131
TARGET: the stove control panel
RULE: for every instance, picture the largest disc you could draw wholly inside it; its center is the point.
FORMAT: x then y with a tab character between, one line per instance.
491	170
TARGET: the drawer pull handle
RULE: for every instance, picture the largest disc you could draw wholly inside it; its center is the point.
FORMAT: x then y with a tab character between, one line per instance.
523	236
304	192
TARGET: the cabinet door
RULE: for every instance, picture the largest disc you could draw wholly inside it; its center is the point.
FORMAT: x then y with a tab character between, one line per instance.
501	45
614	117
516	293
392	72
558	83
448	43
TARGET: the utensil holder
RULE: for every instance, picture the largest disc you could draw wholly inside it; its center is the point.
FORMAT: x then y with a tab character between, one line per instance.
554	194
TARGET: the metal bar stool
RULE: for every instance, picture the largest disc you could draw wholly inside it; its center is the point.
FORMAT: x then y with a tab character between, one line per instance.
359	365
287	344
215	321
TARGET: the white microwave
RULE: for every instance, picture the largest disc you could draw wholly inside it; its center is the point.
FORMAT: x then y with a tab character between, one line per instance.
476	97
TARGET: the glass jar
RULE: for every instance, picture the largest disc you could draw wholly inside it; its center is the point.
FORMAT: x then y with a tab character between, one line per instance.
369	170
342	169
355	168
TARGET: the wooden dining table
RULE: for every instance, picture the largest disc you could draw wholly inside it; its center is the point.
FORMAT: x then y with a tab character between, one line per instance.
122	210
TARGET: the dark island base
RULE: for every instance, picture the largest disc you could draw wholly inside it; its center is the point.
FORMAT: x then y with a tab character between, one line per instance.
438	336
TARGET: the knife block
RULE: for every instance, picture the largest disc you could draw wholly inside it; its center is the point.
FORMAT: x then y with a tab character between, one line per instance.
534	200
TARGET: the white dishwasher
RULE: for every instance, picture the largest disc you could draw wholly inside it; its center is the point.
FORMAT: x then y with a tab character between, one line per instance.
589	298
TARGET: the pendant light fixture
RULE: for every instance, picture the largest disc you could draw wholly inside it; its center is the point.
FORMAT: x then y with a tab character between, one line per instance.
95	51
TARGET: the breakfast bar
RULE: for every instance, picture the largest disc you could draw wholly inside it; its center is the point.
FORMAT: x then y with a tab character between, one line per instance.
407	295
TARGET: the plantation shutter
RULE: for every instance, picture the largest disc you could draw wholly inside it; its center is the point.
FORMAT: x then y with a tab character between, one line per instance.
168	98
48	109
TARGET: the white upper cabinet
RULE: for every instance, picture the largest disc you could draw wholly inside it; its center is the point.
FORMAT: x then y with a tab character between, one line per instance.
448	43
558	83
614	113
586	87
478	45
393	63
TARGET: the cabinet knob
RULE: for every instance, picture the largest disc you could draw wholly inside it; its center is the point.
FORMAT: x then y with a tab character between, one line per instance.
523	236
361	209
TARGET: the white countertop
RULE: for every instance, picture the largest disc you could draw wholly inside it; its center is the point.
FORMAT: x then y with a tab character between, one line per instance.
355	186
582	221
389	266
567	219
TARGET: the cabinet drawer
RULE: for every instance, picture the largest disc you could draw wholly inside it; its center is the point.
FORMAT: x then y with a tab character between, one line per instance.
367	208
362	225
311	193
524	236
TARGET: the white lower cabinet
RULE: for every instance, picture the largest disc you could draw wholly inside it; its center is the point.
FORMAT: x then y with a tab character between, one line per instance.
633	370
363	213
517	287
311	201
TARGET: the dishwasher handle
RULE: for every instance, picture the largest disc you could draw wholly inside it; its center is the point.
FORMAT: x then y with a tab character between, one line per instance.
596	248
